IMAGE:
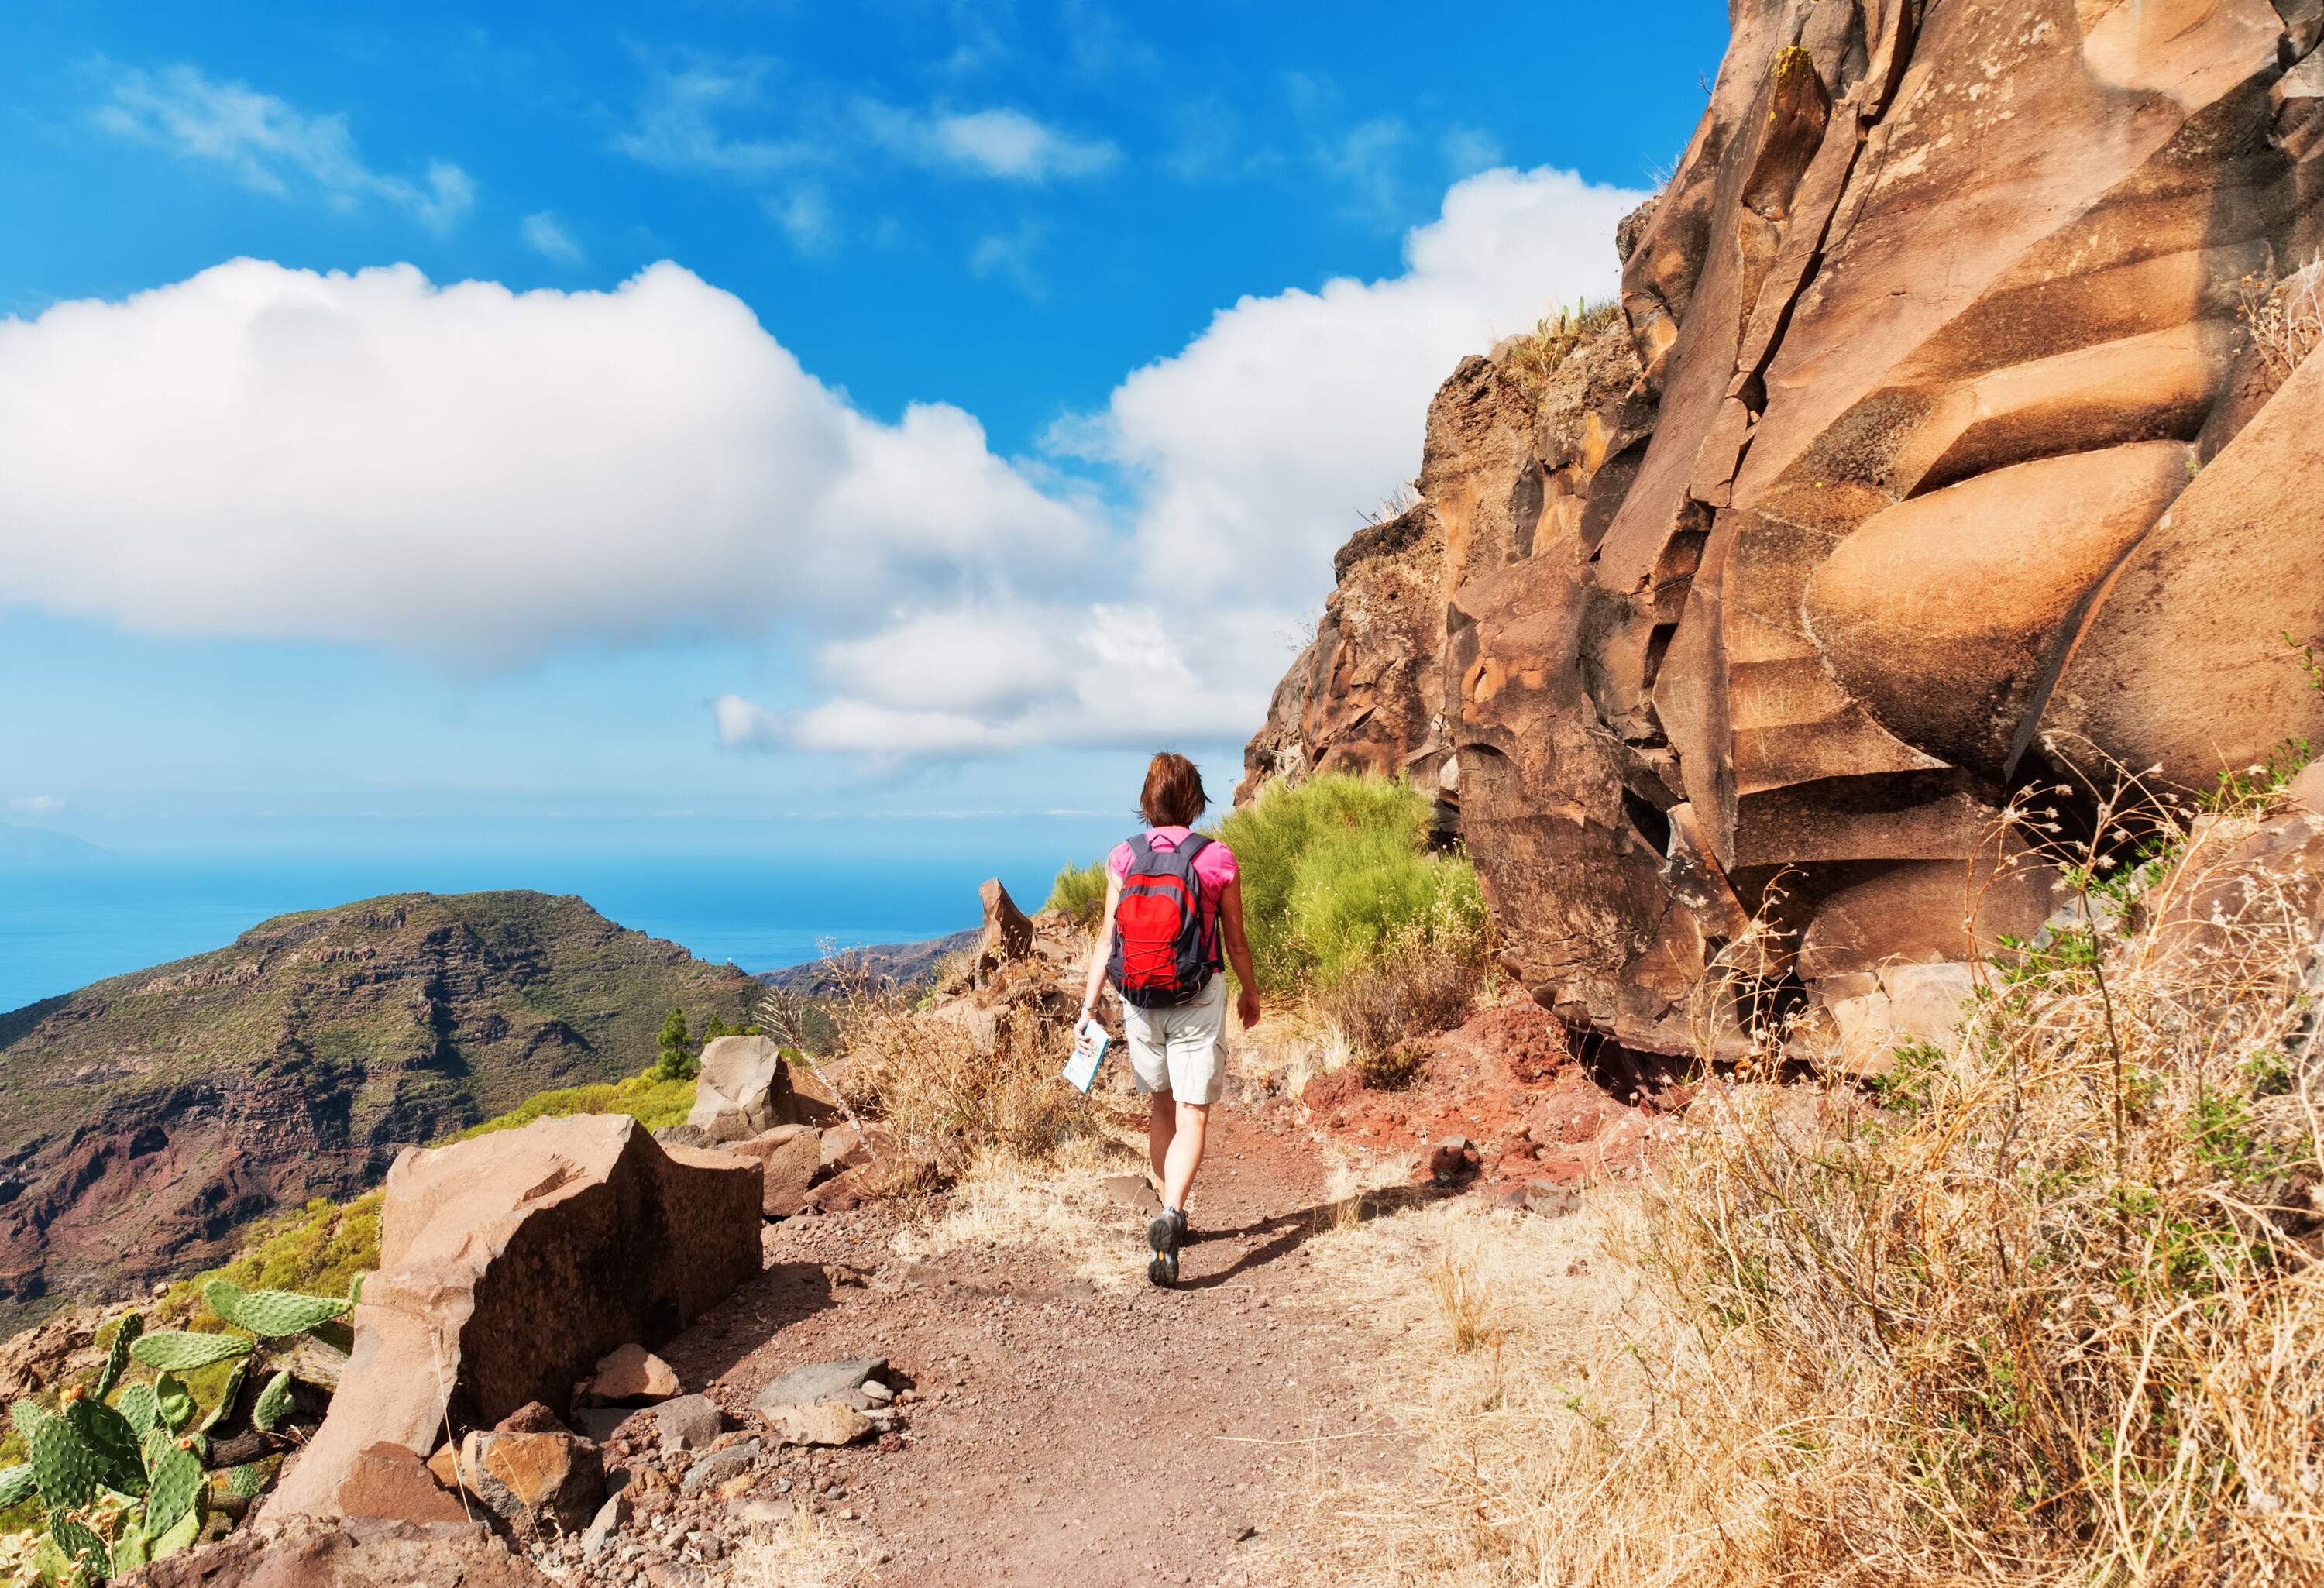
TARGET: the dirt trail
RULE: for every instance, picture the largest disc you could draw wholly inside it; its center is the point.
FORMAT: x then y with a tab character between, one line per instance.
1059	1433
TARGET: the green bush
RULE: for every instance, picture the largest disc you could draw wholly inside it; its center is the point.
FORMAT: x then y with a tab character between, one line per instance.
1080	891
652	1102
1337	873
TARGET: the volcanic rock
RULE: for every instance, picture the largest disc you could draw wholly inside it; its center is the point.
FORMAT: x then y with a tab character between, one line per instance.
510	1264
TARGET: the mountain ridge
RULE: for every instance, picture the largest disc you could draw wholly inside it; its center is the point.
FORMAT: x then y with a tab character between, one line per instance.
153	1114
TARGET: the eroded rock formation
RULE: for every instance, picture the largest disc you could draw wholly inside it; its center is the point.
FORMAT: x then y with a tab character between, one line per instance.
510	1265
1928	460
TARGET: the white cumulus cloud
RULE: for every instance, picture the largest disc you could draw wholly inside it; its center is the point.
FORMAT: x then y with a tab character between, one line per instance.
1251	454
479	476
474	474
269	144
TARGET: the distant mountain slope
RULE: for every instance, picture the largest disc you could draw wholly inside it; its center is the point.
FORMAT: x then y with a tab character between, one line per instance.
40	846
899	965
147	1117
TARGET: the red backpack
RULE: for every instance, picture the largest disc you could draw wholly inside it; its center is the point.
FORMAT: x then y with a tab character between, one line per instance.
1161	954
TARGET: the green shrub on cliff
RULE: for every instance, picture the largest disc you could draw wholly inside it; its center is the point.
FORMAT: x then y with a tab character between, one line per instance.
1337	873
1080	891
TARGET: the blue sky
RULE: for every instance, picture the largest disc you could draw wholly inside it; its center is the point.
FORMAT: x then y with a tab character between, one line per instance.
872	410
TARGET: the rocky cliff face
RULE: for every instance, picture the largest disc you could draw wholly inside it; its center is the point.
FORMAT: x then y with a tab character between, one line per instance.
1932	458
148	1117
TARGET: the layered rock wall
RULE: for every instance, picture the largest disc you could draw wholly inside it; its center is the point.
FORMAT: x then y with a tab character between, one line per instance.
1931	459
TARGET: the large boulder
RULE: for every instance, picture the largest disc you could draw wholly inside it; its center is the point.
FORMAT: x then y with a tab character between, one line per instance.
510	1265
748	1087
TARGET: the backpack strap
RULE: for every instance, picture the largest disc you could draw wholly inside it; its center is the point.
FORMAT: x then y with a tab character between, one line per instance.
1193	844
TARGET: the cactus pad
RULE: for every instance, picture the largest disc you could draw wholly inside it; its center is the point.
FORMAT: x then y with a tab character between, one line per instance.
222	1296
80	1545
28	1415
246	1481
227	1396
188	1527
174	1401
177	1481
354	1287
65	1468
110	1441
173	1350
273	1403
273	1314
116	1356
136	1404
16	1485
130	1551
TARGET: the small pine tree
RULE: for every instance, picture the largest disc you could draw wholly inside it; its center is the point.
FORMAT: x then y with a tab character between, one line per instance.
677	1061
713	1031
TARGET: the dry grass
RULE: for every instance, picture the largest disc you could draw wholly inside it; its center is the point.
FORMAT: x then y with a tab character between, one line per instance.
1516	1408
1538	356
2045	1314
2049	1314
806	1552
1057	1207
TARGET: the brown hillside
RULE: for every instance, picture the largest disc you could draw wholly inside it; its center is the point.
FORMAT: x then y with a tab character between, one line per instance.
149	1116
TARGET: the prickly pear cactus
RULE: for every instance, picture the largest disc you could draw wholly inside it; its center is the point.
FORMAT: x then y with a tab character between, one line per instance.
16	1485
222	1296
176	1485
188	1527
273	1314
80	1547
116	1356
174	1402
130	1551
64	1467
229	1396
355	1288
110	1441
136	1404
174	1351
273	1403
246	1481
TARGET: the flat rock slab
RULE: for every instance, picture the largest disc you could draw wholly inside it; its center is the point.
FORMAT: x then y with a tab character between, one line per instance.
823	1422
823	1380
719	1465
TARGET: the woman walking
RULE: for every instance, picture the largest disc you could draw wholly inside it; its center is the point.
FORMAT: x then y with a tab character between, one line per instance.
1173	901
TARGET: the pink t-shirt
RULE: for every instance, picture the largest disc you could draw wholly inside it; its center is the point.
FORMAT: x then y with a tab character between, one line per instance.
1214	867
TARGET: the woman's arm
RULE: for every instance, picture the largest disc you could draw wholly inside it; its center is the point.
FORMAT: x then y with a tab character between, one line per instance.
1102	949
1238	951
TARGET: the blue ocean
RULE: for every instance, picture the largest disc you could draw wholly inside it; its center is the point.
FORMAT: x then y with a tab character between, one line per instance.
762	895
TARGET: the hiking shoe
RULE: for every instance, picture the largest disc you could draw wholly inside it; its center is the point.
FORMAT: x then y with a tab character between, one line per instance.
1164	1235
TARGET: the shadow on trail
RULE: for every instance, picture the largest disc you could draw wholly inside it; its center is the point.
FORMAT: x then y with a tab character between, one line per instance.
1286	1232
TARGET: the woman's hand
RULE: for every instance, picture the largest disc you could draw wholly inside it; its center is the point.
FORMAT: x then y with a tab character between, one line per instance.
1246	1007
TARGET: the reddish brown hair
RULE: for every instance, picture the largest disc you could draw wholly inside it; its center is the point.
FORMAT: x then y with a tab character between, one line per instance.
1173	793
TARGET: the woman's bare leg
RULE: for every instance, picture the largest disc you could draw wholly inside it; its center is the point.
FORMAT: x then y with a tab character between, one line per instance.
1181	1153
1161	1124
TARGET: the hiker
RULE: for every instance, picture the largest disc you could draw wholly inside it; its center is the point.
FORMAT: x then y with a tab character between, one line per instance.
1173	899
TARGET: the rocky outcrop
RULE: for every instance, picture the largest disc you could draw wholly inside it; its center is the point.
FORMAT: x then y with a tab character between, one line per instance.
748	1088
150	1117
313	1554
1928	462
511	1265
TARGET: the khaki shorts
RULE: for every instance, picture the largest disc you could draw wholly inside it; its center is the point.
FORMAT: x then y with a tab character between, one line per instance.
1181	1048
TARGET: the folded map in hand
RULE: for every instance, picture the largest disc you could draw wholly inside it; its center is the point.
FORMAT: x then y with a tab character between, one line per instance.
1089	1047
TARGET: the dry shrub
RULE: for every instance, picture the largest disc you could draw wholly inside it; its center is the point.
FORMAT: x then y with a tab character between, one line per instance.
2047	1315
2284	319
945	1096
1420	987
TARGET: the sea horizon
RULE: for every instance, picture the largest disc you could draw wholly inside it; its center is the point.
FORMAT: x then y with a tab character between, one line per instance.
762	895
